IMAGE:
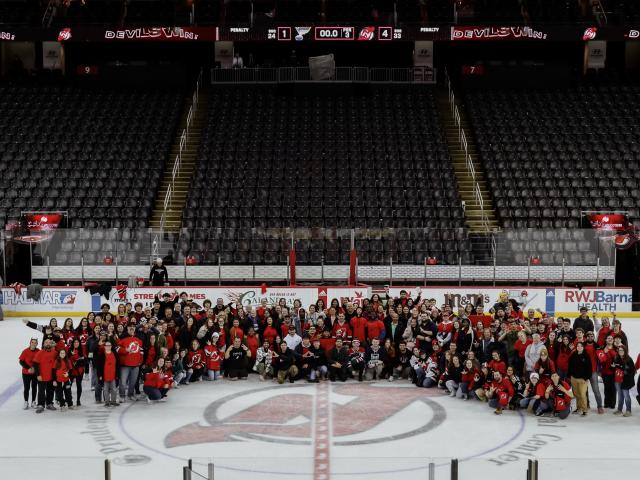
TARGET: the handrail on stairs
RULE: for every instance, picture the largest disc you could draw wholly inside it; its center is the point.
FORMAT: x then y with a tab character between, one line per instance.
462	136
177	164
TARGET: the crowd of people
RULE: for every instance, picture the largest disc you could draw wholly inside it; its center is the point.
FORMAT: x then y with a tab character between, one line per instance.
502	354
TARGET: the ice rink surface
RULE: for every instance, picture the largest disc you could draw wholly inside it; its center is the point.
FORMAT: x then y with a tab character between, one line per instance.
261	430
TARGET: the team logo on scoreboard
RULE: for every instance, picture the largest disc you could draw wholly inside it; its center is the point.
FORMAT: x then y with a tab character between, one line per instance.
367	33
64	35
302	31
590	34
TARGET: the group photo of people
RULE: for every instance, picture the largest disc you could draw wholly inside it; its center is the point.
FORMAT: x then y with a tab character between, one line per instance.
507	355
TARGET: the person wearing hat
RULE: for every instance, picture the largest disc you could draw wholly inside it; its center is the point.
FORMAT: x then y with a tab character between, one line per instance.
533	393
292	339
213	357
158	276
583	321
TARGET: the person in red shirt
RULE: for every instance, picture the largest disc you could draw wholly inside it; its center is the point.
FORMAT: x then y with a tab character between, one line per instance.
544	366
520	347
29	380
359	326
326	341
43	364
341	329
62	380
270	333
564	352
496	364
130	350
557	398
252	340
375	329
153	382
213	358
500	392
606	356
107	365
196	362
480	316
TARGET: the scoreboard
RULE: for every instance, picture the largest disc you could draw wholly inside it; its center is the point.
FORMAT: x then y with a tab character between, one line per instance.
334	33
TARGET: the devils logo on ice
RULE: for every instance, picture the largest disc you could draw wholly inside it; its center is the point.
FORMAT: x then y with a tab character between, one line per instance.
259	415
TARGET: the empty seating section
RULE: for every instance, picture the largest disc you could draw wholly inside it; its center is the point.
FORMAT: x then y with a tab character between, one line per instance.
95	153
15	12
323	163
550	155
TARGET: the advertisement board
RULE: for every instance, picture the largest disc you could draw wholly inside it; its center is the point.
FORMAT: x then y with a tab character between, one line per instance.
75	302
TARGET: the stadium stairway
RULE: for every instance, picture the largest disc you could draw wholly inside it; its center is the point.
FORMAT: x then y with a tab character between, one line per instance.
185	172
473	212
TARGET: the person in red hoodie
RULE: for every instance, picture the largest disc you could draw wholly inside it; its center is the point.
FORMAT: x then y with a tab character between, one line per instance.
130	350
557	398
500	392
43	364
153	382
29	380
520	347
359	326
606	356
62	380
252	340
375	328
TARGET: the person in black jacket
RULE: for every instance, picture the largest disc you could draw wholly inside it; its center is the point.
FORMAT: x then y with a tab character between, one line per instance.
338	362
158	276
623	366
317	364
286	364
580	374
583	321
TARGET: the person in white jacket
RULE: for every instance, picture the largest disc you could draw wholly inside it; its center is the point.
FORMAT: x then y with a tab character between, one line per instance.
532	353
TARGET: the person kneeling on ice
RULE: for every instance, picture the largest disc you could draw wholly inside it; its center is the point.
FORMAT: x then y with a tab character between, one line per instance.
286	364
154	382
264	357
318	363
213	357
356	359
500	392
533	393
195	363
557	398
236	360
179	373
374	359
